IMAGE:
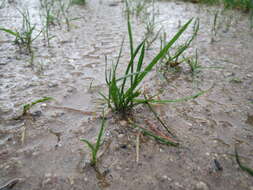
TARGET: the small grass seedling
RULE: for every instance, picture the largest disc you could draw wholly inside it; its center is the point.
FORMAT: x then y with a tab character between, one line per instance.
151	35
27	107
95	147
194	64
243	167
64	9
48	18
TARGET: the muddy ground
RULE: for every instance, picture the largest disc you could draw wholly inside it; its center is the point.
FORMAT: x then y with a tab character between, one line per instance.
44	150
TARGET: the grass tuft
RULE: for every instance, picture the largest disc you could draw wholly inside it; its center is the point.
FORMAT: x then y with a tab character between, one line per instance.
124	92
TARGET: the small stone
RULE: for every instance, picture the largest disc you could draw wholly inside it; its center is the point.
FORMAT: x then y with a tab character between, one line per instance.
249	75
120	136
52	85
44	105
169	179
47	175
251	188
165	177
201	186
228	74
178	185
123	123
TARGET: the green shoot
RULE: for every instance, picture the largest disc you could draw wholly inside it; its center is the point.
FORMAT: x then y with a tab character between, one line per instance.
48	18
194	64
27	107
95	147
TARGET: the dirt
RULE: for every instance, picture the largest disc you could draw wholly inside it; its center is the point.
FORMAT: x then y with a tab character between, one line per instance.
44	149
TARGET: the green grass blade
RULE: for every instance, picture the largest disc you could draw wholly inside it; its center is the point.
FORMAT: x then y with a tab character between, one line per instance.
10	32
89	144
131	63
140	62
244	168
159	119
164	51
170	101
159	56
27	107
130	35
100	134
158	138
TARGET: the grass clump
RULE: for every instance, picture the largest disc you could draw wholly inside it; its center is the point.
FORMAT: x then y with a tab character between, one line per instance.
95	147
124	92
25	36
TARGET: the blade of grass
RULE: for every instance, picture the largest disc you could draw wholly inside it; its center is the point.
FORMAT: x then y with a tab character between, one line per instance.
158	118
243	167
160	139
170	101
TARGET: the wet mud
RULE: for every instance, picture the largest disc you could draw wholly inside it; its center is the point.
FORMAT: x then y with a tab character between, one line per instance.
44	150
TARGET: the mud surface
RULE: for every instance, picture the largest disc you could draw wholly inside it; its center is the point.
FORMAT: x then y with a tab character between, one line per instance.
43	150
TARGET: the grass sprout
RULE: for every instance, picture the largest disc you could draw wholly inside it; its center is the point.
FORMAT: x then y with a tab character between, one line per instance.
49	18
194	64
95	147
27	107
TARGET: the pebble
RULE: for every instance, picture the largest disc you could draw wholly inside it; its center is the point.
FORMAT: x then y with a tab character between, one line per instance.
120	136
249	75
251	188
123	123
179	185
201	186
52	85
228	74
